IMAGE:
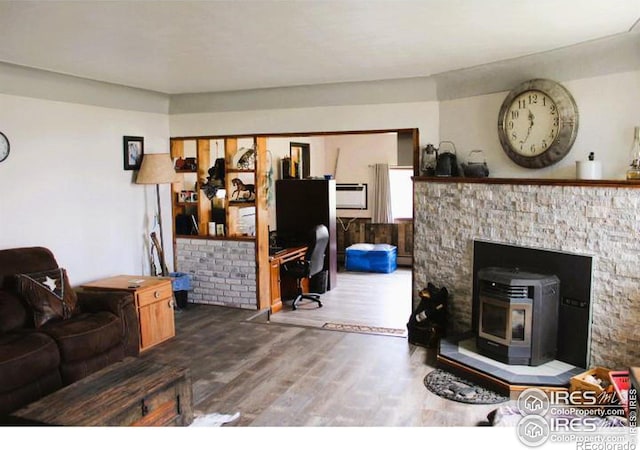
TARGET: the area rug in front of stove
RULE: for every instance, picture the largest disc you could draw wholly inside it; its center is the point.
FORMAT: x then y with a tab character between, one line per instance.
447	385
352	328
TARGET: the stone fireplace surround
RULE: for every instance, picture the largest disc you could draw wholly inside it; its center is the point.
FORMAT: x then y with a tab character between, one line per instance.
597	218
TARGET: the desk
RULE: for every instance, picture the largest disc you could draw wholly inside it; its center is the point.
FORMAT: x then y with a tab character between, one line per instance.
284	286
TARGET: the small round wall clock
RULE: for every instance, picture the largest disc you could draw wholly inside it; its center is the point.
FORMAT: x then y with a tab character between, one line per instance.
538	123
4	147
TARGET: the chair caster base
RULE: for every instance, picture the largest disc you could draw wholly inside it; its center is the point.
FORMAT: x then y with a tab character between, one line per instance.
313	297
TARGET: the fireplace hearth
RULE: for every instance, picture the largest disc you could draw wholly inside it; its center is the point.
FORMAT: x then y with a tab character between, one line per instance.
518	316
491	353
461	355
574	300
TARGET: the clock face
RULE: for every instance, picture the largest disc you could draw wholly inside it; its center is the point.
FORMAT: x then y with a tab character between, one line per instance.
538	123
4	147
532	123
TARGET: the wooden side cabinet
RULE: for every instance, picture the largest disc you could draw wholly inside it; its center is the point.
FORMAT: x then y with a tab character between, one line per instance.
154	303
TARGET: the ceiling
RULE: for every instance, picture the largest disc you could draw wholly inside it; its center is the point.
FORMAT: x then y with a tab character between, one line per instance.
210	46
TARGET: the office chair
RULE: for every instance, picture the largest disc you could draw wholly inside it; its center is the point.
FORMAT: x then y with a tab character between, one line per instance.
312	264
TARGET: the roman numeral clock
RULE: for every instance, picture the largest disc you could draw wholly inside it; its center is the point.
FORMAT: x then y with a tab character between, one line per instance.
4	147
538	123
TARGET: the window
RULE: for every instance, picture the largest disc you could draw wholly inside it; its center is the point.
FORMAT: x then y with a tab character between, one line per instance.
401	192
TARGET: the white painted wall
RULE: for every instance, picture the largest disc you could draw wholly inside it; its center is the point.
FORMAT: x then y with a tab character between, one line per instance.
609	108
64	187
356	154
319	165
421	115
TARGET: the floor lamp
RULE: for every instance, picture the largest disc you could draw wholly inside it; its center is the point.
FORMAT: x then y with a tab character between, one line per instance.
157	168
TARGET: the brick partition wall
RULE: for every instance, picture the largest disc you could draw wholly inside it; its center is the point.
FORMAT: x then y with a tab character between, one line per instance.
223	272
599	221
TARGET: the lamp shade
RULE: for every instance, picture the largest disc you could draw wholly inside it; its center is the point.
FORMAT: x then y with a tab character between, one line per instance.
156	168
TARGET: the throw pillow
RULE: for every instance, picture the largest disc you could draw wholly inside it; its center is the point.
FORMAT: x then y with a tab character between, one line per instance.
49	295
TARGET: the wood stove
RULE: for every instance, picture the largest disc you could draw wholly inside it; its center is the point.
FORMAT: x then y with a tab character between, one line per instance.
518	315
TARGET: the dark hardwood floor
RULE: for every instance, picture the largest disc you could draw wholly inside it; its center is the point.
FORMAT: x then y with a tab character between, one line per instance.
288	375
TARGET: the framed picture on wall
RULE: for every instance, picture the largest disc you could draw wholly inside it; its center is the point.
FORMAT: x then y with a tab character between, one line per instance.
133	147
299	160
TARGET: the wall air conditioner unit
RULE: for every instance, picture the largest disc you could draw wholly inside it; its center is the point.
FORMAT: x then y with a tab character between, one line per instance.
351	196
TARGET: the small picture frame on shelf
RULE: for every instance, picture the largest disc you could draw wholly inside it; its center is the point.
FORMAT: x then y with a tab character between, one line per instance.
187	197
133	148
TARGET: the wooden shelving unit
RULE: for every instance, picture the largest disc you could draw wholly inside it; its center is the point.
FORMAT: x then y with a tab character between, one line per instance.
189	180
206	150
238	215
244	220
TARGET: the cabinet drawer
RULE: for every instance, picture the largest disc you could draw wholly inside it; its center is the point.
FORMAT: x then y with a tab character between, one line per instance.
153	295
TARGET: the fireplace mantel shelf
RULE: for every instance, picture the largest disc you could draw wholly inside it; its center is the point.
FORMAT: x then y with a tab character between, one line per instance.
532	181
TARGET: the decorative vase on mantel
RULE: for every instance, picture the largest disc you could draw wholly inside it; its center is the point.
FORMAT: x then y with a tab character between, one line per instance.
633	173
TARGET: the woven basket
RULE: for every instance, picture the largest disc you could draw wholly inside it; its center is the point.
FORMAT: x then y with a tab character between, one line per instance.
578	382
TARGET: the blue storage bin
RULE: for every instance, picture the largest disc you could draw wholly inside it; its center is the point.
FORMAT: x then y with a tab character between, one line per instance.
180	281
380	258
181	284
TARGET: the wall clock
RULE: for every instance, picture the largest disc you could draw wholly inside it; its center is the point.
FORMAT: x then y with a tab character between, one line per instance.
4	147
538	123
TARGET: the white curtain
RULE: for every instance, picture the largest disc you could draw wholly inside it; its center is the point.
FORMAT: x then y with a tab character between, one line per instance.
381	208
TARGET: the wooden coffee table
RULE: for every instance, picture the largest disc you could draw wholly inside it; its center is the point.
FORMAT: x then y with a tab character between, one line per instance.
134	392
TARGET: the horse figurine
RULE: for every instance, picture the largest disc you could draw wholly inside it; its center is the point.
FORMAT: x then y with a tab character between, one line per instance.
243	192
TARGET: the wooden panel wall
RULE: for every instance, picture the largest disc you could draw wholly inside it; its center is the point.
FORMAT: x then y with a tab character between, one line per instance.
352	230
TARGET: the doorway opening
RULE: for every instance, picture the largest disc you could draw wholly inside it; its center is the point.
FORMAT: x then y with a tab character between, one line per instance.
378	301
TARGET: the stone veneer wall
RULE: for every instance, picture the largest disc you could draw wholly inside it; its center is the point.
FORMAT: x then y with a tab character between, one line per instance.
603	222
223	272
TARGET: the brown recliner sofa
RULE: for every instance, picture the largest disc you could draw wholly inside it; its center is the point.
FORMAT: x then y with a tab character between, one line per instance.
37	360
